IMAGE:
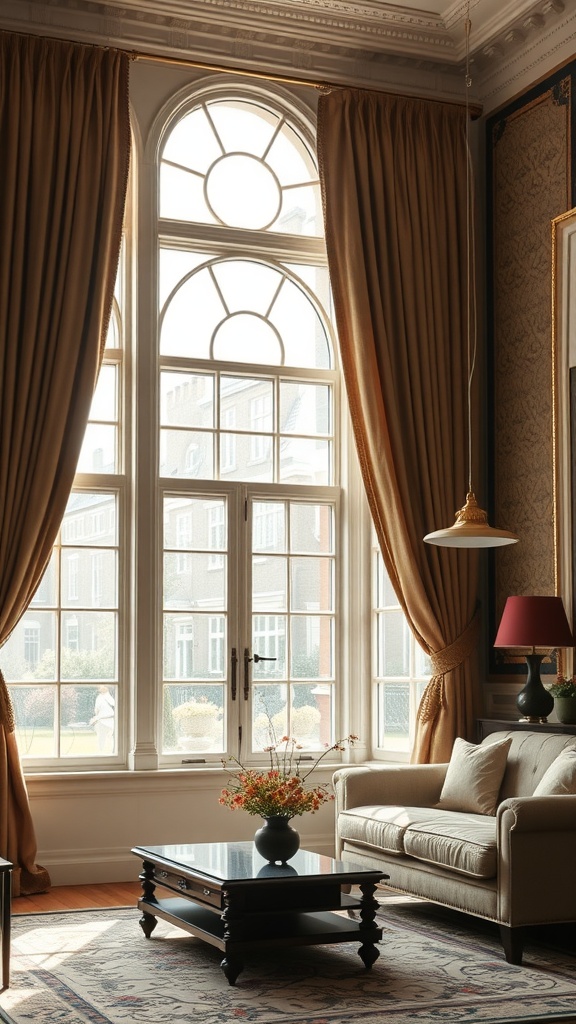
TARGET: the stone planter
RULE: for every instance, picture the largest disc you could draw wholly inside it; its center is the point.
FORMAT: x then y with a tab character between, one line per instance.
565	708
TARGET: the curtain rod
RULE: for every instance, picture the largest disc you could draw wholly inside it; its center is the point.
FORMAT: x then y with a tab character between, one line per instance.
475	110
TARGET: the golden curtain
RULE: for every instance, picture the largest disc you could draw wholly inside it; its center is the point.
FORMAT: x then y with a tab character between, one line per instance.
393	176
64	157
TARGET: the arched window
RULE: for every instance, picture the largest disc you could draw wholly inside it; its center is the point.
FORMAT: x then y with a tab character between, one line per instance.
249	397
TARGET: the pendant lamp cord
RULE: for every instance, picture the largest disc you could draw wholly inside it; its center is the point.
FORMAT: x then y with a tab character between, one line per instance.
471	326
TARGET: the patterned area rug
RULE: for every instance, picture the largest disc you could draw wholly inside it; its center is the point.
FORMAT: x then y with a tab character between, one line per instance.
96	967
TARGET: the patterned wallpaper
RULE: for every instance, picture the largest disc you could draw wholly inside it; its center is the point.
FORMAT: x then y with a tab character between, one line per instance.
528	185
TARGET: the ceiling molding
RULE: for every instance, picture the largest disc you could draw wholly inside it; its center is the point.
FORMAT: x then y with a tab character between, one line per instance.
369	43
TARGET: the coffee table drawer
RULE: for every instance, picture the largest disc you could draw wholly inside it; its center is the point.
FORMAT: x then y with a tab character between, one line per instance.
195	889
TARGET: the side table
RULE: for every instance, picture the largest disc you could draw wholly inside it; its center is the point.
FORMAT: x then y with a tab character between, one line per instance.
486	726
5	901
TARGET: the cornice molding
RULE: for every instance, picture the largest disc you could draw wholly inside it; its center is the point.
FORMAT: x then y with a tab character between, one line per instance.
350	42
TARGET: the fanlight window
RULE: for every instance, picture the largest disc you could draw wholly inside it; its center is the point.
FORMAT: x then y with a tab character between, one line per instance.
241	165
245	311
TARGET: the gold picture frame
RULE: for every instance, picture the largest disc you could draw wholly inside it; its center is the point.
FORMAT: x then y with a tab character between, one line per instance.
563	415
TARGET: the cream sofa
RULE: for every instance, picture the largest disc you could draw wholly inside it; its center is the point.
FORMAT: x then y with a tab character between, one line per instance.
514	867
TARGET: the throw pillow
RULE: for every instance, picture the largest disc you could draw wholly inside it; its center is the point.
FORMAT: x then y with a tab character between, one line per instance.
560	777
474	777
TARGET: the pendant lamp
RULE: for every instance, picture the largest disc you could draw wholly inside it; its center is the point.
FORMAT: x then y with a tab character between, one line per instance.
471	528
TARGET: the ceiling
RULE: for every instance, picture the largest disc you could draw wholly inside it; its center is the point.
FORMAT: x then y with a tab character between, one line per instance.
368	42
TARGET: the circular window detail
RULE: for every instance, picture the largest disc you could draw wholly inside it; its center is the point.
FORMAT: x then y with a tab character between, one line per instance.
247	338
242	192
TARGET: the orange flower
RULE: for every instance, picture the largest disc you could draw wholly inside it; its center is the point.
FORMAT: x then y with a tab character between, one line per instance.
281	789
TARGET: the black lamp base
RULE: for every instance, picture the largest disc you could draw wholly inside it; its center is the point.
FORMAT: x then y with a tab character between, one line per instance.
534	702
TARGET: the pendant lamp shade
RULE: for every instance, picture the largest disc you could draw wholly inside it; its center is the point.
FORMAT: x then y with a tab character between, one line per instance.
471	530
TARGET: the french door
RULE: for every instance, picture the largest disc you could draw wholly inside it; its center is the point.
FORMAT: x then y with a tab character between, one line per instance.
249	613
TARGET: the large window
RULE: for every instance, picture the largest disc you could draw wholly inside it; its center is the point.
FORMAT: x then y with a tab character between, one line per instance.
248	384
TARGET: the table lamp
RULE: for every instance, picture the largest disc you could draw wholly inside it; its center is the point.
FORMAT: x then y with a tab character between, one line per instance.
534	622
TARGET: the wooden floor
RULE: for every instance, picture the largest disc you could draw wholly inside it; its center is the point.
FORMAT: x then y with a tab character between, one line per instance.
79	897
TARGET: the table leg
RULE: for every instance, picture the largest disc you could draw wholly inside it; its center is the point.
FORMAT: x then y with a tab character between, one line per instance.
148	922
368	952
6	898
231	965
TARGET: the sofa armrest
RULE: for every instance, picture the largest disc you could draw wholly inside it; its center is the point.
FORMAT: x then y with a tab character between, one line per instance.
534	834
538	814
413	785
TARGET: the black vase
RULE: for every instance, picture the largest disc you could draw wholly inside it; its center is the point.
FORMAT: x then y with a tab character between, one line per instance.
277	841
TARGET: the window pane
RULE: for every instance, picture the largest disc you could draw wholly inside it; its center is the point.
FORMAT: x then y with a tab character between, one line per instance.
252	461
193	579
311	715
88	721
311	645
305	408
29	653
306	462
93	653
269	584
394	714
35	713
188	647
393	645
89	578
269	643
104	402
187	399
311	528
187	453
268	526
269	715
47	592
90	518
311	584
99	447
193	718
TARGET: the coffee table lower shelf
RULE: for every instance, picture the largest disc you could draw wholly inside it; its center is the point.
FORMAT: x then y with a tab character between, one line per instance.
247	932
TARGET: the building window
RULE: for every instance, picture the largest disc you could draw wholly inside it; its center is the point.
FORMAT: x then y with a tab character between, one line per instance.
31	646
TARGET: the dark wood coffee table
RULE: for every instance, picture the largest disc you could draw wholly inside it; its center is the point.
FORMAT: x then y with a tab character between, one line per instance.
229	896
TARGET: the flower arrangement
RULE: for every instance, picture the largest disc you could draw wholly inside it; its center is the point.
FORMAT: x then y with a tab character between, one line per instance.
280	790
563	687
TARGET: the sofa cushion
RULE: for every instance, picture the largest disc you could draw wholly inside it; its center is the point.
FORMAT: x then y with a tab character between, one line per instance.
462	842
474	777
560	777
381	827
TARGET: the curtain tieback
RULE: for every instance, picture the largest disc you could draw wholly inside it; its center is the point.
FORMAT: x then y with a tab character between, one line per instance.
444	661
6	710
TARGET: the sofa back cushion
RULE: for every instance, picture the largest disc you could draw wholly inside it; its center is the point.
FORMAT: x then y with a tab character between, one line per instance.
529	757
560	779
474	777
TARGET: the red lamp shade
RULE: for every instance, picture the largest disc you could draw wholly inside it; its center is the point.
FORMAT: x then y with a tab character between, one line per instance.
534	622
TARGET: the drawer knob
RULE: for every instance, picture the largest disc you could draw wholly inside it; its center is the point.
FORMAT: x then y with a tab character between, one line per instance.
207	892
182	883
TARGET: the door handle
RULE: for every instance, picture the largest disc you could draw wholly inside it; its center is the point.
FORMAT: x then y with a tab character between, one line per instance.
247	660
234	662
